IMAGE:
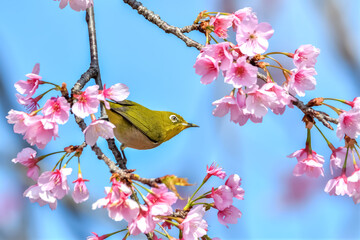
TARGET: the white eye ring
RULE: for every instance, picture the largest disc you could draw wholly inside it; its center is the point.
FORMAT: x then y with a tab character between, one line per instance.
173	118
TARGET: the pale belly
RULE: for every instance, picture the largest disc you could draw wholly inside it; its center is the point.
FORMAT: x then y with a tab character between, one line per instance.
129	135
133	138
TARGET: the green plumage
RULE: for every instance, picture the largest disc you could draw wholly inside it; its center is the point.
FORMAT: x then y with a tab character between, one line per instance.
141	128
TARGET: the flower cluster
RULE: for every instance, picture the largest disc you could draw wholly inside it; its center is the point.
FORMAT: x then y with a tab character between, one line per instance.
141	218
239	65
343	163
251	99
50	185
157	207
40	129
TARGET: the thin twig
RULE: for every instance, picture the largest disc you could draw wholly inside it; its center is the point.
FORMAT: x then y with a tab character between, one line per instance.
155	19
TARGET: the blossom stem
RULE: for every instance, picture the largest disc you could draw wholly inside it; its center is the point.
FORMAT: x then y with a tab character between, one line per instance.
142	196
60	160
110	234
271	53
126	236
166	234
44	156
204	203
308	141
335	99
347	151
354	158
337	110
43	94
221	13
79	170
57	86
161	232
69	160
327	141
269	74
148	190
33	113
285	70
274	60
188	205
173	223
213	38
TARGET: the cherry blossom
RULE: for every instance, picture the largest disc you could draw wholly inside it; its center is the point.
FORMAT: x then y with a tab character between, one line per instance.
29	86
40	131
252	37
241	73
223	197
207	67
306	54
221	53
55	182
283	98
194	226
349	124
353	182
31	104
117	92
241	14
221	23
143	223
355	103
36	194
160	201
50	187
77	5
301	79
337	160
337	186
87	102
258	100
238	114
27	158
117	202
229	215
214	170
96	237
17	118
356	198
98	128
56	109
234	182
309	163
80	193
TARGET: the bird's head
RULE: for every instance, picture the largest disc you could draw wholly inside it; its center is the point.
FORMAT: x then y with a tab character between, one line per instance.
173	124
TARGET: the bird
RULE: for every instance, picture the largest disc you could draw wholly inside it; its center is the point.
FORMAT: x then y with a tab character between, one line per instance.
141	128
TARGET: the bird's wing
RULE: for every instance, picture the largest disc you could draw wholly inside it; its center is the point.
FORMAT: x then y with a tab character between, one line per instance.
144	121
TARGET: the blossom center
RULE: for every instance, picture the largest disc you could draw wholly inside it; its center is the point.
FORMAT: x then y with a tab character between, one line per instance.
82	98
252	36
56	107
240	71
347	120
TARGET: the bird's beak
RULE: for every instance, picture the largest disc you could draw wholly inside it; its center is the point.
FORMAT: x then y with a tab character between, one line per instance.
191	125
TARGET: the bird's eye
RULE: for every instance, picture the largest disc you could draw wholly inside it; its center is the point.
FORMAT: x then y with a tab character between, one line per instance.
173	118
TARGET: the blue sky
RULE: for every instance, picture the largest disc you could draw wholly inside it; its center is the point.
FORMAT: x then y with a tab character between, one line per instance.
158	68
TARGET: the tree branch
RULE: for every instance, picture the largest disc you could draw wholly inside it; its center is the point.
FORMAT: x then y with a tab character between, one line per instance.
155	19
94	72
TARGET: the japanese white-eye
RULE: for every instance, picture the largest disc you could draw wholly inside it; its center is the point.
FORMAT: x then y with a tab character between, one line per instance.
141	128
